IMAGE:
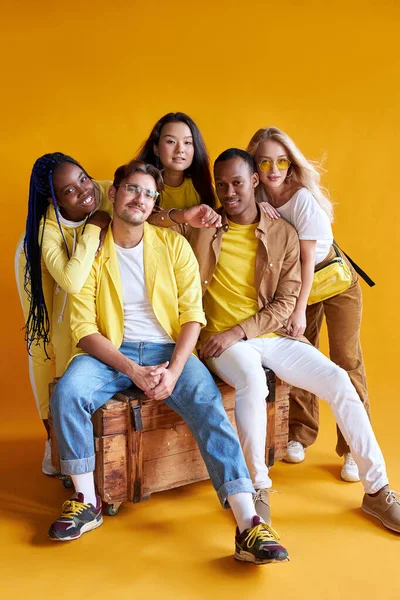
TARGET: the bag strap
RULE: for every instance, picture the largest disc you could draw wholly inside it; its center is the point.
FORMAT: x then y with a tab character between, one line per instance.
358	269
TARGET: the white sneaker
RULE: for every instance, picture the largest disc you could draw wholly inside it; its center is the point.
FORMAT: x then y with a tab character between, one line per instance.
295	452
47	467
349	470
261	505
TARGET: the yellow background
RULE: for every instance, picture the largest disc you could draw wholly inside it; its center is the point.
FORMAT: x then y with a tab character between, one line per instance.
90	79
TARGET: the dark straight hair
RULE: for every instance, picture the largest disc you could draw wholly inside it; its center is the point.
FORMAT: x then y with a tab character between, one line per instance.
199	171
37	326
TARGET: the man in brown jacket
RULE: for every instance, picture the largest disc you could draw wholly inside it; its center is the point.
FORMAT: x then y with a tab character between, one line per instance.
250	273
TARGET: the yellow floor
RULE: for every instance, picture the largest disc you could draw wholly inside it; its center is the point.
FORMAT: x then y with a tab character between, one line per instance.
179	544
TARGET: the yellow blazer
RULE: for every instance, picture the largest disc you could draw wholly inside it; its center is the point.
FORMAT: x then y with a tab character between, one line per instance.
172	281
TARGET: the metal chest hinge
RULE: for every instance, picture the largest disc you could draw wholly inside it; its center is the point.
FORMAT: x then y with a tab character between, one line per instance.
271	456
136	418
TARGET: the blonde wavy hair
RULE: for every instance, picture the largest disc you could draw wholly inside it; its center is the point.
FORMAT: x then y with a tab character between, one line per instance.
301	171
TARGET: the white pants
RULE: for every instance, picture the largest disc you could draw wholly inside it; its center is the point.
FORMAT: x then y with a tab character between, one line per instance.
305	367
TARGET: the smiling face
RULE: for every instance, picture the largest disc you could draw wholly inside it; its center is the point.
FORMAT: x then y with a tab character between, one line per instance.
74	191
175	147
129	207
235	184
272	150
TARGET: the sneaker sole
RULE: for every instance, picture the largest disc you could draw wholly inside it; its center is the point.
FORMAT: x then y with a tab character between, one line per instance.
387	524
350	478
55	474
88	527
250	558
292	460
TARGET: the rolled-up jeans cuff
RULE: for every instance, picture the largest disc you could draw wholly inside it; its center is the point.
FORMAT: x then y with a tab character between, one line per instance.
230	488
372	489
77	466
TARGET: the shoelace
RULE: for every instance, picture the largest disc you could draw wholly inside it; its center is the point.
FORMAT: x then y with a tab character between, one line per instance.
350	461
294	444
392	497
267	491
262	532
259	494
71	508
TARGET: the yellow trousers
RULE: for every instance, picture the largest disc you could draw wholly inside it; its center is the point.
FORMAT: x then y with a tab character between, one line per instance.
42	370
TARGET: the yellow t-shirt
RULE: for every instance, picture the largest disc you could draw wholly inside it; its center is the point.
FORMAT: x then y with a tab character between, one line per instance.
183	196
232	296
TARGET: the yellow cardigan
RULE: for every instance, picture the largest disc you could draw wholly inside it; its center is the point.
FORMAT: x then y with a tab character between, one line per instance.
172	281
60	277
71	274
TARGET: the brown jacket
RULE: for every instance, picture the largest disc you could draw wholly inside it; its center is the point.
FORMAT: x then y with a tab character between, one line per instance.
277	276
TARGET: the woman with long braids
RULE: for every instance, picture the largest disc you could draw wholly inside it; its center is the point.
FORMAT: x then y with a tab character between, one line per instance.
68	213
290	188
176	146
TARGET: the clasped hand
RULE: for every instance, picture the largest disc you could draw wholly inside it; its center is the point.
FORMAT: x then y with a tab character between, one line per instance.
158	382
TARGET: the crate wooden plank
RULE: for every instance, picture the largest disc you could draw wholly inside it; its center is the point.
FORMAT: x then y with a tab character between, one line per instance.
111	418
281	421
167	473
277	423
55	458
111	474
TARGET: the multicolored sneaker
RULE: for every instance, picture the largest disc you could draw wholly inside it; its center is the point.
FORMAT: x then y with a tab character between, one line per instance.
76	518
259	544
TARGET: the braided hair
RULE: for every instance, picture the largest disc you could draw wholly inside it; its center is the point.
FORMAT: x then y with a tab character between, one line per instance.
37	326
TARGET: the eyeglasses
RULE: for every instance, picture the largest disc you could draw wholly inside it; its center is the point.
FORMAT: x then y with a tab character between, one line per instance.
134	190
266	164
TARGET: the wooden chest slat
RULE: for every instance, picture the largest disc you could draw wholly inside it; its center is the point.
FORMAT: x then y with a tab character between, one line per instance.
172	471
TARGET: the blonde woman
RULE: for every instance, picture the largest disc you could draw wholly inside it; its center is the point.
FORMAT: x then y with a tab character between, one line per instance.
290	188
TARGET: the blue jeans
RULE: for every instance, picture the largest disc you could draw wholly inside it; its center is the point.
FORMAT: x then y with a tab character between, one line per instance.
88	383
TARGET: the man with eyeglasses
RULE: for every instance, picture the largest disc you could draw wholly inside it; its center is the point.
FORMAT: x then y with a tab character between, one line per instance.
250	272
137	319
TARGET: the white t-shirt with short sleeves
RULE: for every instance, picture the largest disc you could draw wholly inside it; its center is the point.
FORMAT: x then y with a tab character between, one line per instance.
310	221
140	322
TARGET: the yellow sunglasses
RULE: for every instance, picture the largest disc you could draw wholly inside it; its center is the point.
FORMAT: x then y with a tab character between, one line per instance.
266	164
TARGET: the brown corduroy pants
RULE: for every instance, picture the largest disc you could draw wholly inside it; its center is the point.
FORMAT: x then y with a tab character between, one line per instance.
343	319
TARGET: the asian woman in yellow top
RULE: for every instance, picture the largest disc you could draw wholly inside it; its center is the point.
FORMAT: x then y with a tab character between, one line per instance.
176	147
68	213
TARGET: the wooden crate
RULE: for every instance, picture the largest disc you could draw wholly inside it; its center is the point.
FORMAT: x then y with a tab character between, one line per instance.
142	446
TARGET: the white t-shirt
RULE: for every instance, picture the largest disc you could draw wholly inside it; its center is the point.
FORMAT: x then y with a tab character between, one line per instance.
140	322
310	221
